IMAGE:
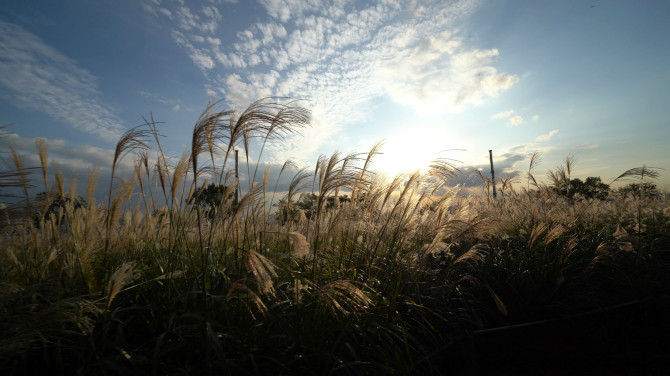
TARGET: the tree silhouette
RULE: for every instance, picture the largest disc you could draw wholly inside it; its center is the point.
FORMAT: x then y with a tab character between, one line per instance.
56	205
592	187
211	198
645	189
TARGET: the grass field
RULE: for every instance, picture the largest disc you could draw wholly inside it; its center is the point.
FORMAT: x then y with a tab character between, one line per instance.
400	278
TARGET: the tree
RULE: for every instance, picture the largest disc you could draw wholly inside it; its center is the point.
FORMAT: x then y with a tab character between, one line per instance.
644	189
288	210
56	205
211	197
592	187
308	200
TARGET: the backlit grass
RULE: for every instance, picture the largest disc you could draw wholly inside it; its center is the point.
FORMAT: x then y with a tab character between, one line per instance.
380	283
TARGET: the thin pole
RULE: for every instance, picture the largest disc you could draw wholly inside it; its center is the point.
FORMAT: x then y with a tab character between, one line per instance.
237	176
493	176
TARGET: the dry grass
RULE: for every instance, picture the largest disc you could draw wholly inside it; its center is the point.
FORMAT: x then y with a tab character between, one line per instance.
405	261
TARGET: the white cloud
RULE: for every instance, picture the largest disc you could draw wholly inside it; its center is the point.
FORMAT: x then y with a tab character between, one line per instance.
546	137
587	146
165	12
285	9
271	32
535	117
206	20
155	8
40	78
441	75
73	158
215	42
254	60
199	56
76	162
211	13
502	115
277	9
342	54
242	92
201	59
511	120
515	120
176	104
237	61
248	44
187	20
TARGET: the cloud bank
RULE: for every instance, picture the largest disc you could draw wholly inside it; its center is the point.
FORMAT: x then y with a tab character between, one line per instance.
38	77
341	55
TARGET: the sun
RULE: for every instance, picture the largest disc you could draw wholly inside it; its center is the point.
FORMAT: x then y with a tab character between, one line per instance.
403	153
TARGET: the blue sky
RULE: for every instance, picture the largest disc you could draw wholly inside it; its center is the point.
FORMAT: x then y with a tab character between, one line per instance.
584	78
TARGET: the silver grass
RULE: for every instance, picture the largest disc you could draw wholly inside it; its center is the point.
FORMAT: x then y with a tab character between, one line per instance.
288	119
363	171
342	298
475	254
179	173
535	159
639	173
538	230
499	303
122	276
21	172
91	183
239	290
553	234
263	271
44	156
444	169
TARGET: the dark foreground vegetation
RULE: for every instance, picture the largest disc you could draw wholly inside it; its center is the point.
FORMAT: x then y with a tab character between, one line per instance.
399	277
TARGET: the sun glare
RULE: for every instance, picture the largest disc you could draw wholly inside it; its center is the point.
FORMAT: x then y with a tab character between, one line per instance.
402	154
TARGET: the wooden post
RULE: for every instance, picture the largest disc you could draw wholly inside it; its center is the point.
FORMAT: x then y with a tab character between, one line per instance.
237	177
493	176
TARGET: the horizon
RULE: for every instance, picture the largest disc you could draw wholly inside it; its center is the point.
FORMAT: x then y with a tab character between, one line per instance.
433	79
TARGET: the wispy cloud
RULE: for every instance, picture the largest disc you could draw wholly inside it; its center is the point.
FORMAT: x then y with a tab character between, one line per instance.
502	115
548	136
175	104
40	78
342	55
587	146
515	120
74	160
507	163
512	120
442	75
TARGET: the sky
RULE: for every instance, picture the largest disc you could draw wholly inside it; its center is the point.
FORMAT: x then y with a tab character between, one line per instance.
432	79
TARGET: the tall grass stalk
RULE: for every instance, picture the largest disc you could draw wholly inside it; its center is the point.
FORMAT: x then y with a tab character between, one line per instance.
372	283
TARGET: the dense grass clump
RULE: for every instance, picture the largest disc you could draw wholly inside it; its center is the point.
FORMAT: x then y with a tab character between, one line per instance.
398	278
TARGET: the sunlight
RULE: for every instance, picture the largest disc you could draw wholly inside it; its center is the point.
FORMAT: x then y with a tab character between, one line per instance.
404	154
